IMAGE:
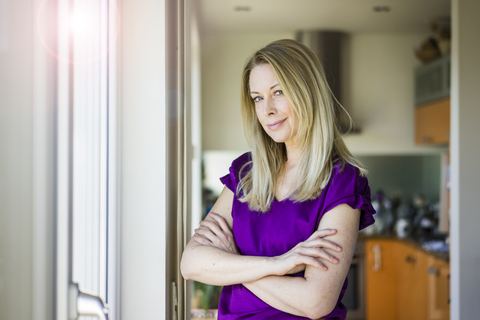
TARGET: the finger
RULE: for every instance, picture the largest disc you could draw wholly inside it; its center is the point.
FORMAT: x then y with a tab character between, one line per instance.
200	228
322	233
213	226
207	233
318	253
208	222
211	216
311	261
322	243
202	240
221	222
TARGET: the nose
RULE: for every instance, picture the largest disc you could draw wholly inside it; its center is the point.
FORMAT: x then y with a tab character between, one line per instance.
269	108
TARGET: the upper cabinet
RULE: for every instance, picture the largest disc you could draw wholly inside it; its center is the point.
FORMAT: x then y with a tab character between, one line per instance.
432	81
432	123
432	101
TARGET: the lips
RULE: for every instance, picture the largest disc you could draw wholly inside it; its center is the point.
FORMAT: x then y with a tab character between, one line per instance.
275	125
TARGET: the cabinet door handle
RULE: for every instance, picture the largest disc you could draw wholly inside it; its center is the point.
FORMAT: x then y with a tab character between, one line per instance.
377	257
410	259
433	271
427	139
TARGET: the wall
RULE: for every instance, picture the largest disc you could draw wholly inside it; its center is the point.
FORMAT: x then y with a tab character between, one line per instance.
16	159
143	160
465	152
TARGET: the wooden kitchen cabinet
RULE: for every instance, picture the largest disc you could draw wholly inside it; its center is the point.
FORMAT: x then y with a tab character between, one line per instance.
432	123
403	282
411	289
380	273
438	280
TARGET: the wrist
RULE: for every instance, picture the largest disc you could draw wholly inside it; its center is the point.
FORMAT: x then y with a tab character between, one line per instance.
272	266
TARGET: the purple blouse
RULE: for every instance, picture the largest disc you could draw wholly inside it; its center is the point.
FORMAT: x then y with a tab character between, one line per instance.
286	224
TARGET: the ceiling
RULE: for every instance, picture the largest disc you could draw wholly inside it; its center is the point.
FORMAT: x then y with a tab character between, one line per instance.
351	16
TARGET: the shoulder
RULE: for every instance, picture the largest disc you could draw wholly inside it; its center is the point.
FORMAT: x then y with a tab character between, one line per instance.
238	168
344	174
348	186
236	171
242	160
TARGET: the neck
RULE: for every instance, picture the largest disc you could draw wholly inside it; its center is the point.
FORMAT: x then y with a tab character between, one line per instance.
293	155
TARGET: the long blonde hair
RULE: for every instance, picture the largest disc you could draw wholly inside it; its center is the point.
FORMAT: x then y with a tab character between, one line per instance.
305	87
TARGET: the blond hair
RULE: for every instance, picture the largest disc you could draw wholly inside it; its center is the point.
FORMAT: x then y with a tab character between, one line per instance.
305	87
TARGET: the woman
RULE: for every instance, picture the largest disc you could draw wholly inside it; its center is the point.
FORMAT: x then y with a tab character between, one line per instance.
282	234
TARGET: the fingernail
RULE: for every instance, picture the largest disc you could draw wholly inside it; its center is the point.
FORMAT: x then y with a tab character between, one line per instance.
335	260
325	268
339	248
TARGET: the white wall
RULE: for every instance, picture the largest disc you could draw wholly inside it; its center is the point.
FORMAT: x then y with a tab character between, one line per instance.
143	154
465	152
223	59
16	161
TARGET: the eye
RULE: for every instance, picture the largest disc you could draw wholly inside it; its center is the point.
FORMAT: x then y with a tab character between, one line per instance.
278	92
257	99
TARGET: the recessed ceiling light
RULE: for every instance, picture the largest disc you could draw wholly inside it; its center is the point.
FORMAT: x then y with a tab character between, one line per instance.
242	8
381	9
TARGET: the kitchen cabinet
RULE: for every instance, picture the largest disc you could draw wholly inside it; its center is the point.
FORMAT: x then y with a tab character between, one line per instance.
432	81
403	282
380	273
438	280
411	288
432	101
432	123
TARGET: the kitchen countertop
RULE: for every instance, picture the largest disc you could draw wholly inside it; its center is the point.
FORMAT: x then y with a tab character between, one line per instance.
415	242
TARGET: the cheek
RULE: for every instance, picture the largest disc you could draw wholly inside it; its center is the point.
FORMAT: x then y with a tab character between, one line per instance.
286	108
259	116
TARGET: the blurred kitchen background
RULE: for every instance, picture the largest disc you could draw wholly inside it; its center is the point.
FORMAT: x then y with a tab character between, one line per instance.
117	117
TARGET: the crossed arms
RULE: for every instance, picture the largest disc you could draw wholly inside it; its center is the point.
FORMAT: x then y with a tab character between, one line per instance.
211	257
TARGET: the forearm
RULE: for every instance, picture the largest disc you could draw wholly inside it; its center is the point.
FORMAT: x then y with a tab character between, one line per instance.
294	295
213	266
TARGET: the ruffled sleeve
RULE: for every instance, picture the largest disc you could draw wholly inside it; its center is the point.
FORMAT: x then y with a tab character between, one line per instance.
233	177
348	187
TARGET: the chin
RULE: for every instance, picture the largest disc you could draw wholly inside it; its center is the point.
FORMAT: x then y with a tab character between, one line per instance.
278	139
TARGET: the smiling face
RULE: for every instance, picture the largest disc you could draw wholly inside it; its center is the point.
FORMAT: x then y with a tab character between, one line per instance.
271	105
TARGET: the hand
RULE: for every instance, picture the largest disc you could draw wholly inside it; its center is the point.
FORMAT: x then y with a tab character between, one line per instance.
308	252
215	232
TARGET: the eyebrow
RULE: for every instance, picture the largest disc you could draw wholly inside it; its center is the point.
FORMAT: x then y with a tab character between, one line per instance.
270	89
